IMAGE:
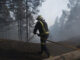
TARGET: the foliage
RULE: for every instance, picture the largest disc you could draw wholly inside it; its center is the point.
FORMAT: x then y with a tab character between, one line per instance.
19	12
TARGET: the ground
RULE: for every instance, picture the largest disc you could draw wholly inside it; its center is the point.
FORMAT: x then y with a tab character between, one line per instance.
19	50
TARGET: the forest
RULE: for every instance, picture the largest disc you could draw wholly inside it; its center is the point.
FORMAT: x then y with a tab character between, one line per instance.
17	41
17	18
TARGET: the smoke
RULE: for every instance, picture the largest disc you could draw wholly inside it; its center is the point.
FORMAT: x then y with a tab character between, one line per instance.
20	15
68	25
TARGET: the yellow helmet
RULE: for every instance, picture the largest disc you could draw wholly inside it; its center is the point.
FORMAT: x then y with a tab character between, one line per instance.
39	17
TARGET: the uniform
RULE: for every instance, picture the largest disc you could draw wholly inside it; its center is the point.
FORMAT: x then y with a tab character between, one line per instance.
42	27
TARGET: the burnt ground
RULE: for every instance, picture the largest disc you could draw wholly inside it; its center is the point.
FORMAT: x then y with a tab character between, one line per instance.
18	50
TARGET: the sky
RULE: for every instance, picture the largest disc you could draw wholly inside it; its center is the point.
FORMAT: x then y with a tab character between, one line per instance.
50	9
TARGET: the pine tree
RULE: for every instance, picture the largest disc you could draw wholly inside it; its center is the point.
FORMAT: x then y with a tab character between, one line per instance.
22	12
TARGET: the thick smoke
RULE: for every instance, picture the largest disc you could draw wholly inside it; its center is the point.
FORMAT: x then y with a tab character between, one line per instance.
67	26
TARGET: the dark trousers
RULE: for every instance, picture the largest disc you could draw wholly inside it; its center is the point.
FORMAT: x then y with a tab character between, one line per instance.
43	44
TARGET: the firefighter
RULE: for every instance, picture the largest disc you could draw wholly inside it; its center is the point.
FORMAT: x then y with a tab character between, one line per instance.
42	27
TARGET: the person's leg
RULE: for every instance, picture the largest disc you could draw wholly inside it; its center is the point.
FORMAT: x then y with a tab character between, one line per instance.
42	47
45	49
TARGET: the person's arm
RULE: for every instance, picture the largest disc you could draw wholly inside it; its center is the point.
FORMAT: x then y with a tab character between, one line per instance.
35	28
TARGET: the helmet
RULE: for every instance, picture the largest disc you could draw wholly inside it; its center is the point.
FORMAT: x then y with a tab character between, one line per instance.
39	17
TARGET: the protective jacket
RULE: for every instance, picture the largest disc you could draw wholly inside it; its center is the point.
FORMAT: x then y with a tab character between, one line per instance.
42	26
